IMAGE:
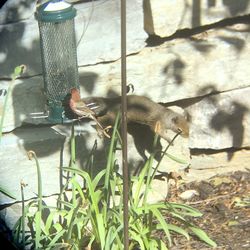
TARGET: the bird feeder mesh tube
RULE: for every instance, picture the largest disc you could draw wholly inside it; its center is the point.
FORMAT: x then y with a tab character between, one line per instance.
59	59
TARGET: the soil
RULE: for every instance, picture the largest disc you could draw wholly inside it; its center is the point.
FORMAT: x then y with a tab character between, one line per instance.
225	204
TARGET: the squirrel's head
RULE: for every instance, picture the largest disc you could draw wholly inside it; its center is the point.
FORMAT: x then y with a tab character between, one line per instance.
180	125
177	121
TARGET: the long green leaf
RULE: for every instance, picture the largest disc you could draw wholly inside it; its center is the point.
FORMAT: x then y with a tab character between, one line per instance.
156	244
163	246
58	227
112	147
78	188
164	152
89	183
176	229
203	236
184	209
153	245
58	237
150	172
163	223
139	184
22	185
137	238
98	177
51	217
32	154
38	229
7	193
176	159
113	233
72	222
101	230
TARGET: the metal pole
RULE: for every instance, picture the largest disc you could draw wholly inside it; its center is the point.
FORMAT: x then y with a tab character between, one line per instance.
124	125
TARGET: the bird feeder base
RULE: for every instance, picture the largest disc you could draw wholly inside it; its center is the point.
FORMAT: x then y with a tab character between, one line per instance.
56	115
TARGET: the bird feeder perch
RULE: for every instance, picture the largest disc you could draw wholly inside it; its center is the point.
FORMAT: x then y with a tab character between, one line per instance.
58	51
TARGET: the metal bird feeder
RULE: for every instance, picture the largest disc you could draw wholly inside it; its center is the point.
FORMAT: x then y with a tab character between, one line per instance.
58	51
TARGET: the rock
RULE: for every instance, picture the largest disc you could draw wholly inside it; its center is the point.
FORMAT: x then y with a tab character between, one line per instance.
219	161
97	34
188	194
101	40
16	167
178	69
20	45
26	103
52	147
16	10
11	214
164	18
221	121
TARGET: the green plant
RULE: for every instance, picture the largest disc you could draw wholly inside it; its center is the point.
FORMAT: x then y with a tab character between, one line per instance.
93	216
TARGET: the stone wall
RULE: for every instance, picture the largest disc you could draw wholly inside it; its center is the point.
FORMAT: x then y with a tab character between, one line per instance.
193	54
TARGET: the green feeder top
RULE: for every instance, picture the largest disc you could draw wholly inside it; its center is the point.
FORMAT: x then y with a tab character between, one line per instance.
55	11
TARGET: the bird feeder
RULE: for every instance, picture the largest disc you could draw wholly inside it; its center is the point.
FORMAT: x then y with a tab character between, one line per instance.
58	51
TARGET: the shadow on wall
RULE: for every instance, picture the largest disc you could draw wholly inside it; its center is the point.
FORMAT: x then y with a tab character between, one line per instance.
89	79
16	50
230	119
233	7
233	121
32	93
230	116
16	53
175	69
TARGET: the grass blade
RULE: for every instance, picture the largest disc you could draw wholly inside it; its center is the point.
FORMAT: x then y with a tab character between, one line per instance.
38	229
56	238
176	229
101	230
176	159
32	154
86	177
137	238
202	236
163	223
184	209
112	148
7	193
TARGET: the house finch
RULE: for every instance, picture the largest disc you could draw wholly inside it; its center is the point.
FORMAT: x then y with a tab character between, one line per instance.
80	108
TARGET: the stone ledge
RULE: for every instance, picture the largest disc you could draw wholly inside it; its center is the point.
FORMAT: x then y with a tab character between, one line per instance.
164	18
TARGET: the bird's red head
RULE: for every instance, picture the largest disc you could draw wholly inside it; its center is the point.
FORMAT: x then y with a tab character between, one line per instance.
75	95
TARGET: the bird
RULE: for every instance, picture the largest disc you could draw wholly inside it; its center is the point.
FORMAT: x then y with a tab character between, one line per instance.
79	107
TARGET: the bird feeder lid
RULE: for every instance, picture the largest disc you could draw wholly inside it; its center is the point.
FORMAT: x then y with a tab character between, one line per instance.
55	11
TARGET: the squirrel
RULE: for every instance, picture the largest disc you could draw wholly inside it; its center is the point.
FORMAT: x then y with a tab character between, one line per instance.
142	110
